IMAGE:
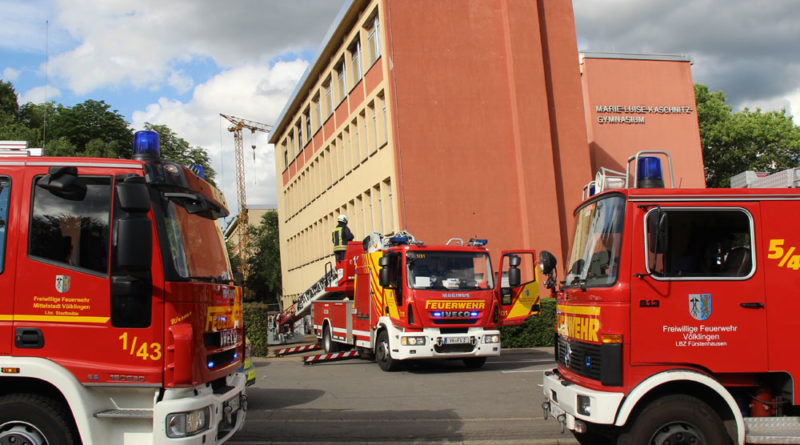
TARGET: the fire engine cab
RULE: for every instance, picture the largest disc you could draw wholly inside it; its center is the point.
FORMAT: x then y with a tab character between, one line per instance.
677	314
119	319
401	300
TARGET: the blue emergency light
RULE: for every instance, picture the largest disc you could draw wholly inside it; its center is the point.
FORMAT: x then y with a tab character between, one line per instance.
474	314
198	170
478	242
398	240
437	314
649	175
145	146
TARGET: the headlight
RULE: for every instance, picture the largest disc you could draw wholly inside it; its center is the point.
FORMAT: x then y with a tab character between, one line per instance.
584	405
494	338
188	423
412	341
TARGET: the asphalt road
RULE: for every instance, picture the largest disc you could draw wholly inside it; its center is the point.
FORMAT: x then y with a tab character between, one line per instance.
440	401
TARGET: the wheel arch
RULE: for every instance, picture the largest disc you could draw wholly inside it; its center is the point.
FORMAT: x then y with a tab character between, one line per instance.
691	383
49	379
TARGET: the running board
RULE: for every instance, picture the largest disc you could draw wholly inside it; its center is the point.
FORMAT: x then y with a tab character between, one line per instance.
311	359
772	430
125	414
296	349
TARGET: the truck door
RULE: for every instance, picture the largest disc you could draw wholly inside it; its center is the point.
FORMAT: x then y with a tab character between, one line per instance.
518	303
700	296
63	304
7	261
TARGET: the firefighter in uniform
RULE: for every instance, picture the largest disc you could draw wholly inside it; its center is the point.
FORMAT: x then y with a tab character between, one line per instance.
341	236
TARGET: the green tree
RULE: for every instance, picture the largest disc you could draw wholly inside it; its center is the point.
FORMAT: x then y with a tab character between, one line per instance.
264	263
91	121
745	140
8	100
176	149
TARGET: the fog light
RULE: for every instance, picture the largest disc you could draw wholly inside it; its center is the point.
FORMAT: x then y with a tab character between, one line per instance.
584	405
494	338
412	341
188	423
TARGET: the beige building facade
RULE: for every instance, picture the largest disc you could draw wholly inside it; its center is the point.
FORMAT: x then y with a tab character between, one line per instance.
445	119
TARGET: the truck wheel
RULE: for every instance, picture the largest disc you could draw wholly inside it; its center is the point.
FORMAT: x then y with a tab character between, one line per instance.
327	341
36	420
676	419
474	362
383	355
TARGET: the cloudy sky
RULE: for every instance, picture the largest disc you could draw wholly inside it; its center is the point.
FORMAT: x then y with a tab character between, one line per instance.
182	62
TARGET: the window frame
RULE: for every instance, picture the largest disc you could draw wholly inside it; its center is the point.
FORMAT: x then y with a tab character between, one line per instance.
753	255
5	218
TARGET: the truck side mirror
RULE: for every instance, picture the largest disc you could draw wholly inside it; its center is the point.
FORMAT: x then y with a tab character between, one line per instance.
547	262
134	234
514	274
63	182
385	273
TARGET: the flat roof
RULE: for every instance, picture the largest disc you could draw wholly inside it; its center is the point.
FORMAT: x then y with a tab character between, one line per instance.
633	56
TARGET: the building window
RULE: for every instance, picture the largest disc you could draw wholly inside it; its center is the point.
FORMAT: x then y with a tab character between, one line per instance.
373	122
374	39
385	120
291	146
341	81
285	157
307	118
299	131
328	102
317	117
355	59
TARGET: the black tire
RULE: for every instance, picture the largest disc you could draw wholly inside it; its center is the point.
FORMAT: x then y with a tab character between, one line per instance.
35	419
328	345
676	419
383	354
474	362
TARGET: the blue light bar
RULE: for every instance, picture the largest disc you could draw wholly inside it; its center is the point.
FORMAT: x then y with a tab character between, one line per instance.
478	242
436	314
198	170
474	314
145	145
649	173
398	240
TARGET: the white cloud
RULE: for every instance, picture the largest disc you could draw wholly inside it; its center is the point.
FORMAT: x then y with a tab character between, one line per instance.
10	74
141	42
253	92
181	82
38	95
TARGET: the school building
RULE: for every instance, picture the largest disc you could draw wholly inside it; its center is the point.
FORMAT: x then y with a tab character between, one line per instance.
456	119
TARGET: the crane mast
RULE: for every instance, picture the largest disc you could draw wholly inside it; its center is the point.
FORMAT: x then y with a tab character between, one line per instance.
238	124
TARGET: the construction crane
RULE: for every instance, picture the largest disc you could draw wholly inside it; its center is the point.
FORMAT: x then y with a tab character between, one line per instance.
238	124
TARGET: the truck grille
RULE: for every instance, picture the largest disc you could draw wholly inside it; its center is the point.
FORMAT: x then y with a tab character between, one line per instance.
581	358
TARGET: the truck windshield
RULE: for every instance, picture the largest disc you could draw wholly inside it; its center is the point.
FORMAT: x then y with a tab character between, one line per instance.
449	270
196	245
594	259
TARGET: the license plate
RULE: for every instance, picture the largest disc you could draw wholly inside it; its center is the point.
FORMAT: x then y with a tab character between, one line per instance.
228	337
456	340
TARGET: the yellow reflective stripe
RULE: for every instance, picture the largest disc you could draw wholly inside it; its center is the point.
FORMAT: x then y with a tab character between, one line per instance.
338	242
578	310
55	318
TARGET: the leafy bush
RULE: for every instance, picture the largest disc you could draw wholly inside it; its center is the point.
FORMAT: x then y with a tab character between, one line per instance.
255	320
535	331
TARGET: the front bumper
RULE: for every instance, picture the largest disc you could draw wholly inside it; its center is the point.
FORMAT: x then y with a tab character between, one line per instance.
562	402
438	345
228	410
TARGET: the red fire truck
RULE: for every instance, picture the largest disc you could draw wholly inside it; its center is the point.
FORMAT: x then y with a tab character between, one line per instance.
401	299
677	313
119	320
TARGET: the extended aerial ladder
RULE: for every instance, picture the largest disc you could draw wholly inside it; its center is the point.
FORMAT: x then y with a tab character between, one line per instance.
238	124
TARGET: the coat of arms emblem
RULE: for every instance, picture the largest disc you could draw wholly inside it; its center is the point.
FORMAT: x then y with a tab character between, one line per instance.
700	306
62	283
